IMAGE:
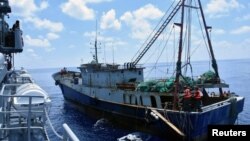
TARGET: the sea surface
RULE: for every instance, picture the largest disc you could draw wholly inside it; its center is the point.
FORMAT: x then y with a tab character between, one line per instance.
235	72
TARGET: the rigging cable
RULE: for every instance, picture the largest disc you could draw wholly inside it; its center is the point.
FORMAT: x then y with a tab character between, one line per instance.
199	45
185	34
174	51
153	52
189	30
162	50
188	47
204	38
153	32
153	66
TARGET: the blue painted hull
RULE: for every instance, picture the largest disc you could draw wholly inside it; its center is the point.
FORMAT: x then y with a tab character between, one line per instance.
193	124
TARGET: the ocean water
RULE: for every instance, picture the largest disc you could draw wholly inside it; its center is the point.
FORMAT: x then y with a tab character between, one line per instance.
235	72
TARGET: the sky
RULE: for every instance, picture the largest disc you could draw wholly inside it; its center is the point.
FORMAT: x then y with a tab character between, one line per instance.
61	33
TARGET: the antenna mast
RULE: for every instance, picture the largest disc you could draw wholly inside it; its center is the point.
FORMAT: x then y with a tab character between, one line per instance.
96	58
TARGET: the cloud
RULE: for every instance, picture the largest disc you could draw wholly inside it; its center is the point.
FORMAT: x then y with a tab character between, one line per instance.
148	11
89	34
243	18
223	43
41	41
52	36
45	24
218	31
78	9
241	30
44	5
220	8
27	11
26	8
108	41
109	20
96	1
232	50
139	20
31	52
245	44
36	42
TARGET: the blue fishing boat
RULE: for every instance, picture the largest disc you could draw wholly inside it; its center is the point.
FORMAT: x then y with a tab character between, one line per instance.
179	107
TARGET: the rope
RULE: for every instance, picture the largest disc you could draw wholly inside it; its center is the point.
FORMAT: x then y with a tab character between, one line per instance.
170	33
204	38
188	34
153	32
154	52
174	51
51	126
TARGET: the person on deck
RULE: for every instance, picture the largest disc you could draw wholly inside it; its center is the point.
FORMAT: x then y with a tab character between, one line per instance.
197	98
16	25
187	99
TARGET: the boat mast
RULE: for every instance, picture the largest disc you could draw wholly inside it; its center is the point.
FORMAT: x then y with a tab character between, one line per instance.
178	64
96	58
214	63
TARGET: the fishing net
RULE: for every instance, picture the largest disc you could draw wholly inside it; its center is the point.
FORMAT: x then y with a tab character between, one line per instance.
146	86
207	77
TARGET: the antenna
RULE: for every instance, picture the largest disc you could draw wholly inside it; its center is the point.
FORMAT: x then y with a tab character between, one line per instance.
95	54
96	57
104	53
113	54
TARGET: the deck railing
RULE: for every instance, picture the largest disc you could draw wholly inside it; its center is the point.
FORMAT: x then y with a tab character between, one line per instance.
69	134
7	109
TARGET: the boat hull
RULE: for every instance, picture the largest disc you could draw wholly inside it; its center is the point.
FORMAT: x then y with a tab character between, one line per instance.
196	123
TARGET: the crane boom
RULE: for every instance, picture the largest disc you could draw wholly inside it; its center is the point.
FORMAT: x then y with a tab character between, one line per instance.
157	34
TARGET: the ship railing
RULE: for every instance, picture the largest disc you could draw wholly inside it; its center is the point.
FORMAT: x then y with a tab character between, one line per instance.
7	109
69	134
21	80
218	104
118	67
128	66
